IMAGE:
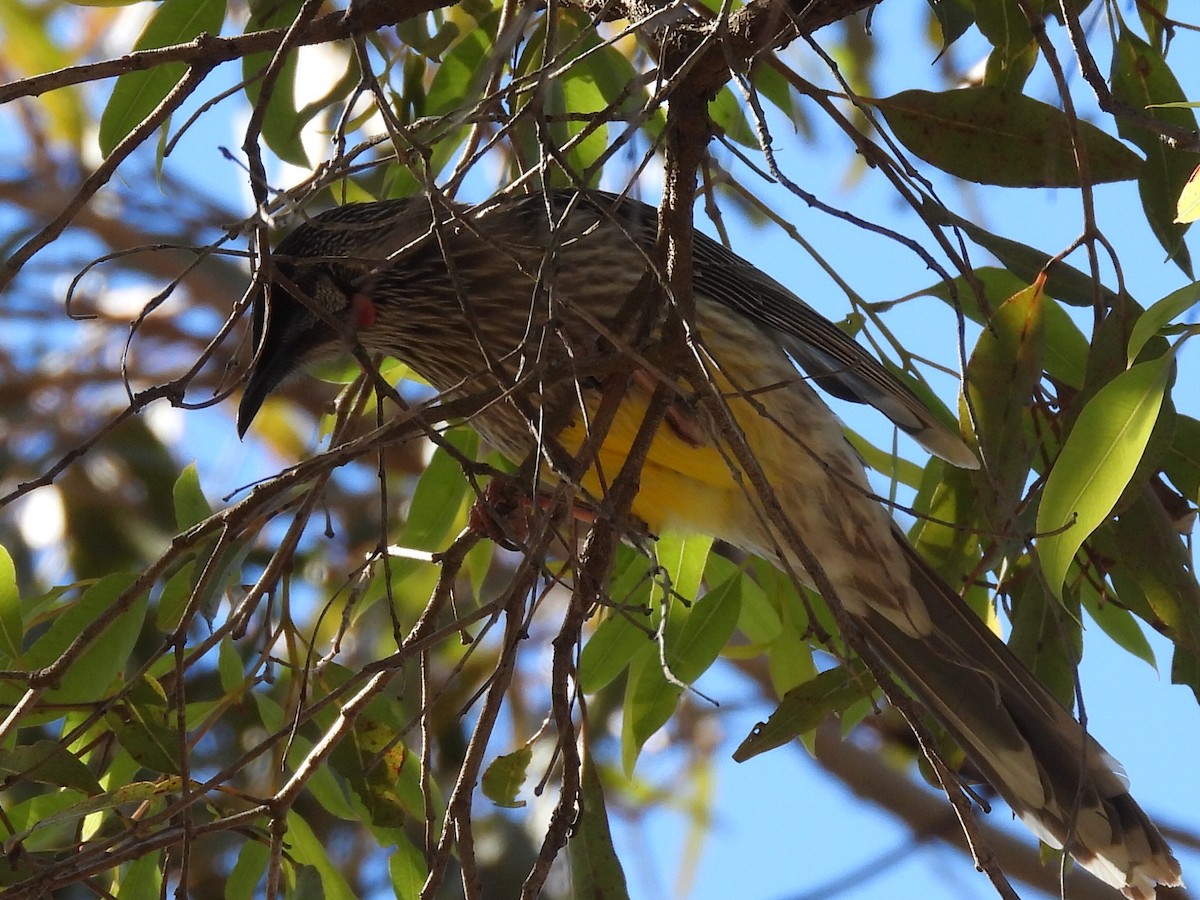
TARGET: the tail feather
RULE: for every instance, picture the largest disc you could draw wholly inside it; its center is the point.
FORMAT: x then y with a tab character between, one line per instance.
1056	778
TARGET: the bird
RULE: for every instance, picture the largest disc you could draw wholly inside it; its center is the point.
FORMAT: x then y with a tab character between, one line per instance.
527	294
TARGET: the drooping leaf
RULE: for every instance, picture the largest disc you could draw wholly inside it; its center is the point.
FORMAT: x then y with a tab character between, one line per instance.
282	121
1187	208
1046	635
48	762
136	94
1002	373
1153	577
91	673
407	869
1096	463
595	869
12	629
1116	622
1142	78
307	849
1063	281
994	136
804	707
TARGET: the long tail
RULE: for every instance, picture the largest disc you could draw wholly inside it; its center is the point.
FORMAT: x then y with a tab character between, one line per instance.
1057	779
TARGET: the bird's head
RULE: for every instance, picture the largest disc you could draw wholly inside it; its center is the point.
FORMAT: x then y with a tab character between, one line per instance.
318	301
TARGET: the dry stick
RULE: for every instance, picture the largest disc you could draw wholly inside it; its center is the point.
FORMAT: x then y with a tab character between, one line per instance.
458	807
362	17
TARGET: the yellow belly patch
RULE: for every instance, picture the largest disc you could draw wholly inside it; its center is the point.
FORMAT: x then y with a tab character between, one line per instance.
683	486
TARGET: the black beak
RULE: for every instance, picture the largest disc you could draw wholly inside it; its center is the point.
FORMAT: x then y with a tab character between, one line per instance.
264	378
272	366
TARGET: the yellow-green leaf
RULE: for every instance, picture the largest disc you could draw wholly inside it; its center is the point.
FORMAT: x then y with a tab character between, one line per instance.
502	780
136	94
1100	456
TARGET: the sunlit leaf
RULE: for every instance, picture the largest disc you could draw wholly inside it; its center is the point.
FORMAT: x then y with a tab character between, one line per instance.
307	849
282	122
1002	374
12	630
1119	624
136	94
190	505
1159	314
1187	209
407	870
1097	461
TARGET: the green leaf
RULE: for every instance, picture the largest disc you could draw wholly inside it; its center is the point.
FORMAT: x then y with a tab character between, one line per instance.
1046	636
141	878
1096	463
1004	370
248	871
173	599
804	707
145	736
992	136
190	505
407	869
595	868
504	777
12	629
954	17
136	792
1063	282
649	702
1154	578
1142	78
282	122
693	639
682	558
306	848
463	71
376	765
1066	348
136	94
92	672
608	651
1159	314
47	762
708	628
728	114
438	497
1182	462
1118	623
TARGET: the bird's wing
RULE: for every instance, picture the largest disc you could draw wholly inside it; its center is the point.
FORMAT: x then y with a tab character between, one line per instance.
835	360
